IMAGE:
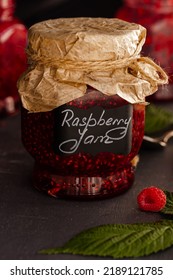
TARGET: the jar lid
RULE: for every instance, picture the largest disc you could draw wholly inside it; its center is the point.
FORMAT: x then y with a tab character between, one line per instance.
67	55
85	39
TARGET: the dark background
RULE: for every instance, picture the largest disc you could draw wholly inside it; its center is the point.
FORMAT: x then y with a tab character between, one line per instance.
33	11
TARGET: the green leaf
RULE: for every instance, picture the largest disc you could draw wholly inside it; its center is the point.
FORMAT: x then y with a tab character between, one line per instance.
119	240
168	209
157	119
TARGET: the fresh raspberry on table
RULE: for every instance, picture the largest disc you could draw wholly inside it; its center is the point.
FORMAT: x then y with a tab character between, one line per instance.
151	199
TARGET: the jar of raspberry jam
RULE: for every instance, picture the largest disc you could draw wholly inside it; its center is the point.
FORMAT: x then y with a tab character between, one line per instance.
12	57
83	105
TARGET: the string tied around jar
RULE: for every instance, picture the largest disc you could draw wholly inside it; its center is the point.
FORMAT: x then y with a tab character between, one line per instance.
102	53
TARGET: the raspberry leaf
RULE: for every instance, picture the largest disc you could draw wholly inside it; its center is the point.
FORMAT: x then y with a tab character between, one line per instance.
168	209
157	119
119	240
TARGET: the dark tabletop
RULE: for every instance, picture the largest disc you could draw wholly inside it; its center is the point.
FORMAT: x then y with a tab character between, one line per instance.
30	220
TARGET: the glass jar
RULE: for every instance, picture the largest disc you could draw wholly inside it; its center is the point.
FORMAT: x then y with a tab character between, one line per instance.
159	40
83	104
82	168
13	58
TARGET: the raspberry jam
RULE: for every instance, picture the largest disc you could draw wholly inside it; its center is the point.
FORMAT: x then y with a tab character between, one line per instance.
83	104
78	171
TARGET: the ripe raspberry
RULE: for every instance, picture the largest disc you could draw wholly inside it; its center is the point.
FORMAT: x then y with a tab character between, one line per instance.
151	199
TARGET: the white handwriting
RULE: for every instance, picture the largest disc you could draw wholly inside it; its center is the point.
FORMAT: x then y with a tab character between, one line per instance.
117	130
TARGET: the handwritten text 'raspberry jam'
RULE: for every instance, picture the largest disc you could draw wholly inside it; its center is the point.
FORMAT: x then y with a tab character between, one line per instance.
92	130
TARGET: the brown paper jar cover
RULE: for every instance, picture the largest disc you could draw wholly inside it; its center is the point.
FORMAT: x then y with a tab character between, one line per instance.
66	55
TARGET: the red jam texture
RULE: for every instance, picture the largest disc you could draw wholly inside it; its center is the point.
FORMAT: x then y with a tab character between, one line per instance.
80	175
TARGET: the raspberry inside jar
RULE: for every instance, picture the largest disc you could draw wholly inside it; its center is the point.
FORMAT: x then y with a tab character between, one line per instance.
80	173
